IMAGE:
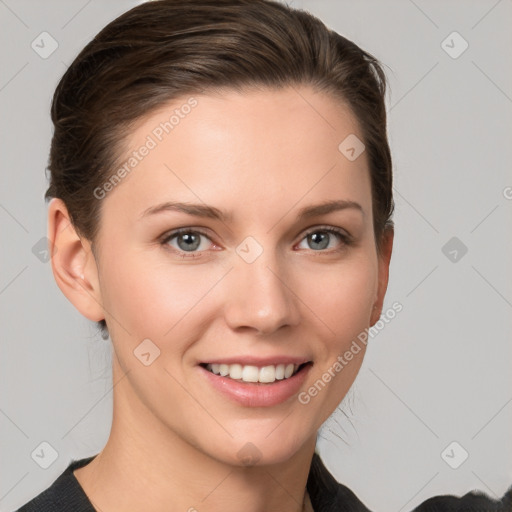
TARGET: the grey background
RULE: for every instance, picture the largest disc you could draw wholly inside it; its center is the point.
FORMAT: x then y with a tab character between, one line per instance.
438	372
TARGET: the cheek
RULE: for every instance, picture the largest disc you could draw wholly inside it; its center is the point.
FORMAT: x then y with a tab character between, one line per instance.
341	299
151	299
342	295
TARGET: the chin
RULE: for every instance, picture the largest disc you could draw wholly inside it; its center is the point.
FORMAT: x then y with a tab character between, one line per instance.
259	450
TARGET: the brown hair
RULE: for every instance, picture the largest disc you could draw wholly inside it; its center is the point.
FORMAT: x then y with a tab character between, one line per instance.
165	49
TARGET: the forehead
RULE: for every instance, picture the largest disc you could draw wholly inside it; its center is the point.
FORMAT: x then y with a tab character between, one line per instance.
262	113
257	146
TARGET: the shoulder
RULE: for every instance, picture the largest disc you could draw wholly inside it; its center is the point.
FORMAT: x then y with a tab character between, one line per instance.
327	495
474	501
63	495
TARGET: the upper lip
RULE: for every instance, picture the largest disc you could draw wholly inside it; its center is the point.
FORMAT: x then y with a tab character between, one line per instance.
258	361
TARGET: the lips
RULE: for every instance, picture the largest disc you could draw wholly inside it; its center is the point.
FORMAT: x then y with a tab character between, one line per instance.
258	361
256	394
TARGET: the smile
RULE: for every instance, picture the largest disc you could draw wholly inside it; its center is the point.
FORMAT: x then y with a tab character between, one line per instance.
256	386
249	373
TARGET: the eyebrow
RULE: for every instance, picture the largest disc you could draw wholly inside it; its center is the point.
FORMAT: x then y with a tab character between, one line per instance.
203	210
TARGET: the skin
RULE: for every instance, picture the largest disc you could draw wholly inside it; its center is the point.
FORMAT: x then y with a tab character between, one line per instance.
260	155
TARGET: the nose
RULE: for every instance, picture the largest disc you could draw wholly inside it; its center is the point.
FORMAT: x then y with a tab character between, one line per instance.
260	296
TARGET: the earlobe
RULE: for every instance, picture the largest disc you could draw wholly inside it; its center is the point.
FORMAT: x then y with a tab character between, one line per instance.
73	263
384	262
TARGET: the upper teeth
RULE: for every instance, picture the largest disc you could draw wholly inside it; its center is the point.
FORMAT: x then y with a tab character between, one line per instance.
253	373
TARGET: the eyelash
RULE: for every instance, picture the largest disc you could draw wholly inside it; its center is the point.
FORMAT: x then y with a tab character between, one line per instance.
345	238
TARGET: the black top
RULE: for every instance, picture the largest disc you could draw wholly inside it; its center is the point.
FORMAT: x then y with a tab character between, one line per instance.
326	494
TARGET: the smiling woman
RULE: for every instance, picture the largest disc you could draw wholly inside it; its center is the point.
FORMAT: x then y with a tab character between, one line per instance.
221	203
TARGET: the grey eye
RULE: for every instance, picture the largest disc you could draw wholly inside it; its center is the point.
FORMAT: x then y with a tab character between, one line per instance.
188	241
319	240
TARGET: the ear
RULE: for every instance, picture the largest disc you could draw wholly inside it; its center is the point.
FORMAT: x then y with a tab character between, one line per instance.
73	263
383	274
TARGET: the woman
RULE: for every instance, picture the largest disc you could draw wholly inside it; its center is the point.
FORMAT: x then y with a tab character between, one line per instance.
221	203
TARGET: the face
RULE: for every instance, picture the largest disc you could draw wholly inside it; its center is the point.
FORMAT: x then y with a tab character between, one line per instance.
243	236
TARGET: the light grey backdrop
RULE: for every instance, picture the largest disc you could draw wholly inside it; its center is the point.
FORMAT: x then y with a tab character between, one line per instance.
439	373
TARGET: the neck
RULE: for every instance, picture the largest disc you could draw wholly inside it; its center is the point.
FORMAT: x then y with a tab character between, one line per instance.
161	472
